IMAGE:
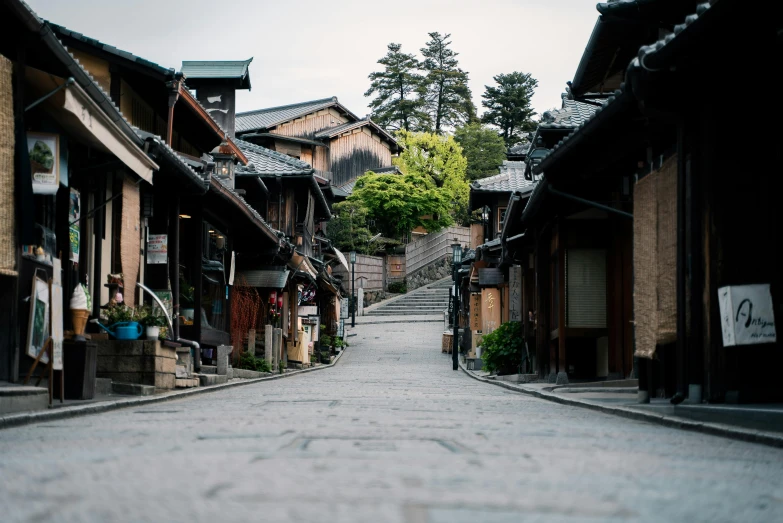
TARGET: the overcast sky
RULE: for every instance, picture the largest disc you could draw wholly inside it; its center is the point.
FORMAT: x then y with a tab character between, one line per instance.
307	49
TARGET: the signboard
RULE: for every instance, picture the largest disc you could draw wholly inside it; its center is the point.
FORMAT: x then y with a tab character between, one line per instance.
344	308
157	249
475	311
57	327
341	329
38	327
74	213
451	302
490	276
44	153
307	310
490	310
746	314
515	293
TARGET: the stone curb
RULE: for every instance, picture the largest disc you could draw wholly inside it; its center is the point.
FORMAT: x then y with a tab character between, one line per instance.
715	429
26	418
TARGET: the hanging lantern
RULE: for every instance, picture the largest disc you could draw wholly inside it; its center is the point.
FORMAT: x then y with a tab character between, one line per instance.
272	298
280	301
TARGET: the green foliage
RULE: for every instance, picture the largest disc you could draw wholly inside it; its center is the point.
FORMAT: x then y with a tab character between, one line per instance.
326	340
502	349
397	104
398	287
120	312
348	230
508	105
150	317
400	203
339	343
483	148
440	159
248	361
281	366
186	296
447	97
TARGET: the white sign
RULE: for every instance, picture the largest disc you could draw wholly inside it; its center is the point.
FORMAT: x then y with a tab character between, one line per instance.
307	310
344	308
57	326
341	329
157	248
44	152
746	314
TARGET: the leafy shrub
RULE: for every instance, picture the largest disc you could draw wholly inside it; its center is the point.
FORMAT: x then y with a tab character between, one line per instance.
326	341
398	287
502	349
248	361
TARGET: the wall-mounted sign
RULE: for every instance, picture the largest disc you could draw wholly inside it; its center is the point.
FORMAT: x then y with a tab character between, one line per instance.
44	153
475	311
344	308
490	310
74	213
307	310
746	314
515	293
490	276
157	248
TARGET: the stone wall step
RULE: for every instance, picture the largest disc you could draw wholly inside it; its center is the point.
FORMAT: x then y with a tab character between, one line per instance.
206	380
22	398
132	389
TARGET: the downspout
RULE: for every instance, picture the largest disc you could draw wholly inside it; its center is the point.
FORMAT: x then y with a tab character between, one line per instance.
682	345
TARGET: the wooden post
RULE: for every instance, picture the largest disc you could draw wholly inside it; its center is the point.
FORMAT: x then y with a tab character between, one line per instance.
269	348
277	343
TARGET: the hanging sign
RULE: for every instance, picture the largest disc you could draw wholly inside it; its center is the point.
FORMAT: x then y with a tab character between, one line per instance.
515	293
74	213
344	308
746	314
475	311
157	249
44	153
341	329
57	326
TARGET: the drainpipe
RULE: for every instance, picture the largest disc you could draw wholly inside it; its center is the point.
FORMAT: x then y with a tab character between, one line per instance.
174	87
682	347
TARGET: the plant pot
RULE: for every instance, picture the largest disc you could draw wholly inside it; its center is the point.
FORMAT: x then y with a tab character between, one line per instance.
153	332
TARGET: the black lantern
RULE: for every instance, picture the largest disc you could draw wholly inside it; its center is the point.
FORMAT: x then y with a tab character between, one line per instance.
456	253
224	163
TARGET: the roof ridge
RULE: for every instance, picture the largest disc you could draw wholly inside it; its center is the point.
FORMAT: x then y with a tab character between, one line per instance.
332	99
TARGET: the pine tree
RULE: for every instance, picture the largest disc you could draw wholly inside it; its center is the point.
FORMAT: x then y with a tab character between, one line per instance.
508	105
396	105
446	94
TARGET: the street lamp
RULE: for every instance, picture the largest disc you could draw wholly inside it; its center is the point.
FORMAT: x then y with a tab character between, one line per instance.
456	257
353	289
485	221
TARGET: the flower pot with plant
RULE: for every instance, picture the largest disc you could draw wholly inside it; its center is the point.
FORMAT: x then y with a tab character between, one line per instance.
152	321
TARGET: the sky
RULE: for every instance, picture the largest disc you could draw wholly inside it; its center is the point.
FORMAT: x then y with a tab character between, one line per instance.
306	49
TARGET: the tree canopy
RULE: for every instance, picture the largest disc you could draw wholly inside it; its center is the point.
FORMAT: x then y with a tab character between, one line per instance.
397	104
447	97
483	148
400	203
348	230
508	105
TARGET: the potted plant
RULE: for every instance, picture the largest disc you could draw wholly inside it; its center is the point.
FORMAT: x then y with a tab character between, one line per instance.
152	321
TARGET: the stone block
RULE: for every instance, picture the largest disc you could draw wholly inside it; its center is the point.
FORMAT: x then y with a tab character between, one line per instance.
249	374
181	372
562	378
132	389
208	369
205	380
165	380
222	359
230	373
167	365
22	398
183	383
103	386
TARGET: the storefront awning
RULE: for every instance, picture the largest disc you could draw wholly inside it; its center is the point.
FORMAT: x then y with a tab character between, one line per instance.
266	279
301	263
78	113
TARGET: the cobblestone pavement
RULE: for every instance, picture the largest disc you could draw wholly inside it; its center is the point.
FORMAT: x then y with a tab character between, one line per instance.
390	434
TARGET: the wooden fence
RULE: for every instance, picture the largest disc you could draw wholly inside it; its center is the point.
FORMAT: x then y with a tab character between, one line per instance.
371	268
433	247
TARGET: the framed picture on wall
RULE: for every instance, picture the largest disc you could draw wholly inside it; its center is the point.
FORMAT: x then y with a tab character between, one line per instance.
44	153
38	324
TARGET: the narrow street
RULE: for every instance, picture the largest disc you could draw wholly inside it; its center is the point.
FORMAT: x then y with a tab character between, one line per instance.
390	433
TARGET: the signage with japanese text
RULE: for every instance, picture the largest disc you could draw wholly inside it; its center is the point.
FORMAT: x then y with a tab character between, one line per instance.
157	249
475	311
490	310
515	293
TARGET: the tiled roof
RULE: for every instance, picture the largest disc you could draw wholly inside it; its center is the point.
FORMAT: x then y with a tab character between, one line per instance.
64	31
216	68
571	115
519	149
173	156
510	179
265	161
334	131
348	187
272	116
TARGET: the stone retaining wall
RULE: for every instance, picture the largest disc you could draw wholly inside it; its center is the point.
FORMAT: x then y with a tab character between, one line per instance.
141	362
429	274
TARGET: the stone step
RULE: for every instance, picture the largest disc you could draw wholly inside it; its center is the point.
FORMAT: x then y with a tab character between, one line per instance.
132	389
205	380
22	398
208	369
186	383
405	313
103	386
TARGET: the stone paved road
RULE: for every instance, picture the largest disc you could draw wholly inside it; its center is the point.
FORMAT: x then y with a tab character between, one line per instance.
390	434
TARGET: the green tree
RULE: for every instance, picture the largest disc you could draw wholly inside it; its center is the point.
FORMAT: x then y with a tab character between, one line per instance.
483	148
400	203
396	104
446	94
440	159
348	230
508	105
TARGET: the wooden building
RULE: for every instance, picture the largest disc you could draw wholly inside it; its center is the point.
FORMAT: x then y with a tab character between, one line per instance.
339	145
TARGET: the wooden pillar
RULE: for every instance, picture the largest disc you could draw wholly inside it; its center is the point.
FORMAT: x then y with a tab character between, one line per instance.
98	231
197	240
173	248
561	323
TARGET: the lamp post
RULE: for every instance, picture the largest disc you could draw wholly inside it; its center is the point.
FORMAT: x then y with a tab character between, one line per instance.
456	258
485	221
353	289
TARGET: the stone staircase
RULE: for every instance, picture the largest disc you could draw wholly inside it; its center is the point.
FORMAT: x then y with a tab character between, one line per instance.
428	300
